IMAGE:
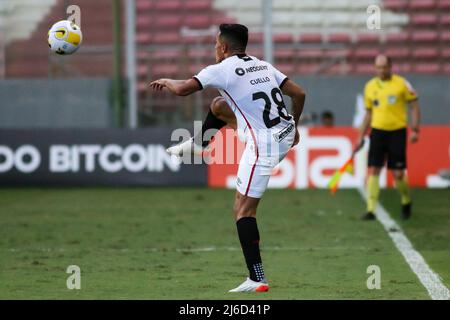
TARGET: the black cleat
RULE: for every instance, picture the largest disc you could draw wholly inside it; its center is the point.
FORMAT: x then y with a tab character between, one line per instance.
368	216
406	211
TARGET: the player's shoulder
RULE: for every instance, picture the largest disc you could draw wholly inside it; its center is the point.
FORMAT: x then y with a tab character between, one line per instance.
401	80
398	78
370	83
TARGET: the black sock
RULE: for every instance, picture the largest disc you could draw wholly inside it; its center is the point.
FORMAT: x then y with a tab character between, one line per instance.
249	238
211	122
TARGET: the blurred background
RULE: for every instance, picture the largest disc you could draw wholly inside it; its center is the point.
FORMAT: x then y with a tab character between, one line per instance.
326	46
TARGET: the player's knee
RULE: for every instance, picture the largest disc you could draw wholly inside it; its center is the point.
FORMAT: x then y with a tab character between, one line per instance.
217	106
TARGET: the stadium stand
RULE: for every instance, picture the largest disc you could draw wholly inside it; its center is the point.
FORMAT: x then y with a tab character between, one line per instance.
310	37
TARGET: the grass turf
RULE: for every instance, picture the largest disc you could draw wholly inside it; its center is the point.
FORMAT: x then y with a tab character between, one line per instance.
129	244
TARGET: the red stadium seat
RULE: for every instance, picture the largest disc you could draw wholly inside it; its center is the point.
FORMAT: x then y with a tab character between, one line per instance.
426	19
445	53
221	18
429	68
310	38
142	70
143	5
425	53
197	21
143	22
143	38
166	55
255	37
143	55
401	67
284	53
307	68
164	21
256	52
443	4
310	53
165	70
365	68
422	5
445	19
338	68
395	4
366	53
398	52
424	36
168	5
286	68
446	68
283	38
445	36
337	53
197	5
200	53
368	37
339	38
397	37
166	38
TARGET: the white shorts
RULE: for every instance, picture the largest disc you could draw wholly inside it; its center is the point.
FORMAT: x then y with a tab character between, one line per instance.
258	161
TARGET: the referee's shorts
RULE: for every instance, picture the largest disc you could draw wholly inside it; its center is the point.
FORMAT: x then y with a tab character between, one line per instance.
390	146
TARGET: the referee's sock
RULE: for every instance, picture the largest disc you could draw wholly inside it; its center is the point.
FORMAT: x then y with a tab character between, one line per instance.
210	122
249	238
373	191
403	188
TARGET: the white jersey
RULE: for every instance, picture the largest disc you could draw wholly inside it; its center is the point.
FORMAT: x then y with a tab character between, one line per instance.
252	89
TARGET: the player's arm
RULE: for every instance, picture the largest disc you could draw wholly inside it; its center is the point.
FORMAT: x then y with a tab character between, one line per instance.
363	130
297	95
415	120
177	87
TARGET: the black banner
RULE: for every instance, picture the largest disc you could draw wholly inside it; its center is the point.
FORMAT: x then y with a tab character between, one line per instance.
102	157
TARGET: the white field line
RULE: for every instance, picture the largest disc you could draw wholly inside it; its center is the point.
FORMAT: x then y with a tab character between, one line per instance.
429	279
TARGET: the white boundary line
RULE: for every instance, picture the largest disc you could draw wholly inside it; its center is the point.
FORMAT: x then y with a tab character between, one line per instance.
429	279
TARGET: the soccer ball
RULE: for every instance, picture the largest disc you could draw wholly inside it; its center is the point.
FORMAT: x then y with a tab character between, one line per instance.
64	37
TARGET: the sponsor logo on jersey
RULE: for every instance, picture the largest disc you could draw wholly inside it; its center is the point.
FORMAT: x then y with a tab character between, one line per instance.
255	69
239	71
259	80
279	136
392	99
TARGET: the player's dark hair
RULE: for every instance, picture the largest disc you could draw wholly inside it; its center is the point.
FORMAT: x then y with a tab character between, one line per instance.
389	61
327	114
235	35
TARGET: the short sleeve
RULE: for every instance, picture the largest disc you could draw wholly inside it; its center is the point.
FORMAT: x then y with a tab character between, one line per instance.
212	76
410	92
367	97
280	77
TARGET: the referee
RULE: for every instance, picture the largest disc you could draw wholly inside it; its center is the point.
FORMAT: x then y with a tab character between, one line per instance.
387	97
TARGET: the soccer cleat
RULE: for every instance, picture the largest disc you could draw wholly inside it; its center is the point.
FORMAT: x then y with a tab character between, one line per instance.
368	216
187	147
252	286
406	211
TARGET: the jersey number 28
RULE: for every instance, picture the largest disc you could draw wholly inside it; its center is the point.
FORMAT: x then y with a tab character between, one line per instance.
277	97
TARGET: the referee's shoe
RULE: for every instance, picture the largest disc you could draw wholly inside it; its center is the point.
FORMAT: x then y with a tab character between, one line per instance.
406	211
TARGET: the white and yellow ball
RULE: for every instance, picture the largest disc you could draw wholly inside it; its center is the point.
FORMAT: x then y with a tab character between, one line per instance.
64	37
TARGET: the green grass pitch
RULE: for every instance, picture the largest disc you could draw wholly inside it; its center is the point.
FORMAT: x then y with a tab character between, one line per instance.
181	243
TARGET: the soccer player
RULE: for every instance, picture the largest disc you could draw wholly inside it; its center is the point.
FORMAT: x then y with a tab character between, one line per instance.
252	103
387	97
